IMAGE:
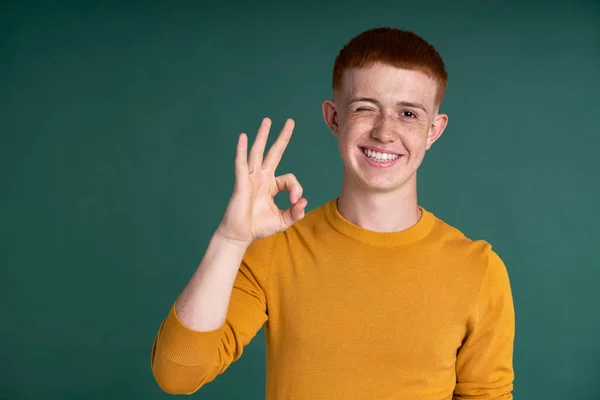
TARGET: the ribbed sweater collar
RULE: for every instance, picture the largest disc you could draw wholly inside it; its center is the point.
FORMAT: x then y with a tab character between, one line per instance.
380	239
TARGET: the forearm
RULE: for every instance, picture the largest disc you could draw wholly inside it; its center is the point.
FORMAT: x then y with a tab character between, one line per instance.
194	343
203	304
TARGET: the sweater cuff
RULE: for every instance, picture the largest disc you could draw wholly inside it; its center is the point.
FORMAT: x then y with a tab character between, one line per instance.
186	346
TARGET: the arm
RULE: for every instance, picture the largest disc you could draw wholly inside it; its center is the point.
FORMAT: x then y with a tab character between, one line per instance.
217	315
484	365
203	303
224	305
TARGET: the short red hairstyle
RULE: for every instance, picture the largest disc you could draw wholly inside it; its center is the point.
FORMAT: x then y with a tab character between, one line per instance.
395	47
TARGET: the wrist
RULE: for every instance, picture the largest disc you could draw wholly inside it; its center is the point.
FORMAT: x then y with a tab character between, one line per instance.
222	239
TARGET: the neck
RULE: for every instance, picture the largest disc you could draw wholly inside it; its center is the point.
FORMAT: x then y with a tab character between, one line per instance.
380	211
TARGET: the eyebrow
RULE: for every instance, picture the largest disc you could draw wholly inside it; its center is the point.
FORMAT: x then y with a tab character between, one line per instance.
400	103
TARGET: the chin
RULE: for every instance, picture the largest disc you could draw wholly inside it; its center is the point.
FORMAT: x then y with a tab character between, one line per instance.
385	184
384	188
378	185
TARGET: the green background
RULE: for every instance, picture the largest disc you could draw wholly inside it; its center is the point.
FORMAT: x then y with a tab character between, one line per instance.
118	126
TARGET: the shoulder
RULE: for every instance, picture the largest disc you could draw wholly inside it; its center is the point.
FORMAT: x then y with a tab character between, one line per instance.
469	251
470	261
453	237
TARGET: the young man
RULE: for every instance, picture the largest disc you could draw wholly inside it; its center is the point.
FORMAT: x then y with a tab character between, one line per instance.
368	296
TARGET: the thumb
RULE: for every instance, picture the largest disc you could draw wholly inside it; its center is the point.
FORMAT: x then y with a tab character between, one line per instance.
294	213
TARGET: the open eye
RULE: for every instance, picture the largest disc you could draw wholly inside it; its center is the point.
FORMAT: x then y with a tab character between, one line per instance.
409	114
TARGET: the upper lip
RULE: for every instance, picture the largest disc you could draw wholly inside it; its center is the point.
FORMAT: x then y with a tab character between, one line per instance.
380	150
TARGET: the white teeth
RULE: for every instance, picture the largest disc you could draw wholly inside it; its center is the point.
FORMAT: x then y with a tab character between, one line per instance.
377	156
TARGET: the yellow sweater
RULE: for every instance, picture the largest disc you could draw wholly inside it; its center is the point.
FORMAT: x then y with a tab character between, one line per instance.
422	314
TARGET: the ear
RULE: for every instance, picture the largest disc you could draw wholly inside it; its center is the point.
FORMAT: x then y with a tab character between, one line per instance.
330	116
437	128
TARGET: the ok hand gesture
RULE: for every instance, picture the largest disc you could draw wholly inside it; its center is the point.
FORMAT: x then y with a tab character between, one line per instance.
252	213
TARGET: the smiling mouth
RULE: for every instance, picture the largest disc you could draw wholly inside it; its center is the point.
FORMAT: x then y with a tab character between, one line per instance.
378	156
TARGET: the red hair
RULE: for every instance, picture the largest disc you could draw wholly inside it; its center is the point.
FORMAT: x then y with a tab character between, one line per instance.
395	47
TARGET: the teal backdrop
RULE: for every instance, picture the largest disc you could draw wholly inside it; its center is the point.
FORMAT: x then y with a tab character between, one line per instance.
118	126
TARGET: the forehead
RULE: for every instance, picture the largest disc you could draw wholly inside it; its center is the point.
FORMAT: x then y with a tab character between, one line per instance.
388	83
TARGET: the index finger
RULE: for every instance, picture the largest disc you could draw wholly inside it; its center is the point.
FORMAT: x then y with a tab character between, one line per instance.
276	151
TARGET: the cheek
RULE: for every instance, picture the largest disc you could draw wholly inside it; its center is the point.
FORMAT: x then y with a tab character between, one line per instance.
343	141
356	127
416	139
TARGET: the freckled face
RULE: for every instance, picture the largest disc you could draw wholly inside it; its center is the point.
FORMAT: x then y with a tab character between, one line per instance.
385	118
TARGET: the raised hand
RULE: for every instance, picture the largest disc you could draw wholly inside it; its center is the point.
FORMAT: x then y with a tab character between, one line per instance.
252	213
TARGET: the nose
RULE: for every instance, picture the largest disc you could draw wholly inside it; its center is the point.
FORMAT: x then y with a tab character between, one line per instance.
385	129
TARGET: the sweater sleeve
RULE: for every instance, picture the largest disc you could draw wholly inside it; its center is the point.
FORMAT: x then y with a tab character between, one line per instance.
184	360
484	365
